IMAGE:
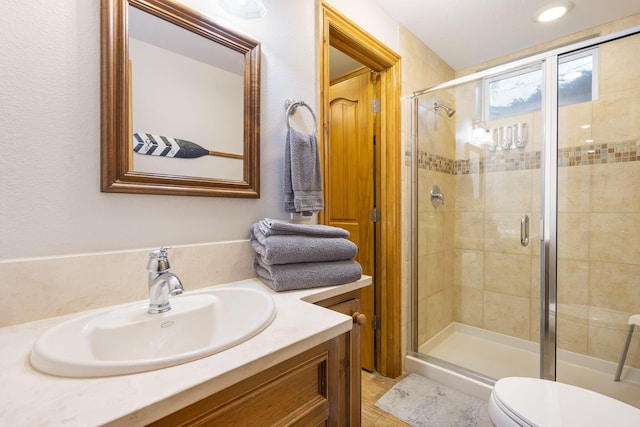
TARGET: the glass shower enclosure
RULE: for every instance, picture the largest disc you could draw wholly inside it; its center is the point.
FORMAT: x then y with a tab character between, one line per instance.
526	218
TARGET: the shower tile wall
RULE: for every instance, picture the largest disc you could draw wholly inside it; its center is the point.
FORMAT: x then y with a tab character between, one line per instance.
473	269
421	68
494	272
435	229
599	211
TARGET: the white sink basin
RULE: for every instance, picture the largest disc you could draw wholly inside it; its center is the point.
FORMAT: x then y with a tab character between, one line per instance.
127	339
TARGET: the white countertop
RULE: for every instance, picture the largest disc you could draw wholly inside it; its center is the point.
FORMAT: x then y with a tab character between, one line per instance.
31	398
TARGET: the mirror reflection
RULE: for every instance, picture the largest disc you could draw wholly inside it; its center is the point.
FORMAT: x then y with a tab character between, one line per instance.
177	130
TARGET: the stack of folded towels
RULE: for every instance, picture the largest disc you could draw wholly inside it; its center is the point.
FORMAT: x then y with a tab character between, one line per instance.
299	256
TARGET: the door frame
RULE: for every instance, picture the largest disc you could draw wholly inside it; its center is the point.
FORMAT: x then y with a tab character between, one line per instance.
338	31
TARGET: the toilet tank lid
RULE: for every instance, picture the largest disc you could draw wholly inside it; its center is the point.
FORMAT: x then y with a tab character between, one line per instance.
549	403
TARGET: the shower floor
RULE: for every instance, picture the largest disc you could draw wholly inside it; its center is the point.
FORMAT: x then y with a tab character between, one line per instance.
496	355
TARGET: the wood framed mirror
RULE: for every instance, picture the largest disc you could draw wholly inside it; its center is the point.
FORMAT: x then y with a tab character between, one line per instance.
180	103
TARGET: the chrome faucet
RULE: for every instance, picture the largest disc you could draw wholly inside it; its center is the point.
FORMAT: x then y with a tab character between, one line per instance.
162	283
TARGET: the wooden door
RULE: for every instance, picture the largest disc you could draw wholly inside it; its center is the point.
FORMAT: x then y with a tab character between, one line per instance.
350	192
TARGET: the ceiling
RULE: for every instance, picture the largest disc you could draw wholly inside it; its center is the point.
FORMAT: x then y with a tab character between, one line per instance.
468	32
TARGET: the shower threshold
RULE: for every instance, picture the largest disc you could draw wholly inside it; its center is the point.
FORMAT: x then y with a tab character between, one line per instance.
491	355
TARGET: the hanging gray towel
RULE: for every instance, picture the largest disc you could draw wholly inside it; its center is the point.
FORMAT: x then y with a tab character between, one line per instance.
302	175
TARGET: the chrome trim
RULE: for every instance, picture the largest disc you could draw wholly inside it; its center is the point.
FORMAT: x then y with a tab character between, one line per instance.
548	254
414	225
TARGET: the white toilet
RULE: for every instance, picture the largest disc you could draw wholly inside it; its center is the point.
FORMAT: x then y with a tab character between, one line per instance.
517	401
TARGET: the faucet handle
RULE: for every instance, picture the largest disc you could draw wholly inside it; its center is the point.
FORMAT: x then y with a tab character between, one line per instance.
164	251
159	260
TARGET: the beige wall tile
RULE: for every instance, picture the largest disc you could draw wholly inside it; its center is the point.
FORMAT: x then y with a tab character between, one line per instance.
469	306
447	262
615	287
431	233
573	328
508	274
614	237
619	69
536	191
615	187
508	191
82	282
573	282
507	314
431	273
439	312
469	230
469	192
574	188
571	119
449	230
535	299
468	269
611	115
573	235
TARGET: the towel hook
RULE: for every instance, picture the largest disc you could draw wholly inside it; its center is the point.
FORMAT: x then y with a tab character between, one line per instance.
292	106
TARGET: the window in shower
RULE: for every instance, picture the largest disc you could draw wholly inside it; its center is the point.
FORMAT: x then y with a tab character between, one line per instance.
577	79
519	92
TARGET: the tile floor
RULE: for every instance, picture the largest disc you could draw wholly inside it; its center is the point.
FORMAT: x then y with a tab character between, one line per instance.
374	386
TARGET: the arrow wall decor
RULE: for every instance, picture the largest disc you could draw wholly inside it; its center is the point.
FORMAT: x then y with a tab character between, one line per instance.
164	146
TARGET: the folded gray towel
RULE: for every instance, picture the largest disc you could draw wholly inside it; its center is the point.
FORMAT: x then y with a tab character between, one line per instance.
274	227
307	275
302	174
294	248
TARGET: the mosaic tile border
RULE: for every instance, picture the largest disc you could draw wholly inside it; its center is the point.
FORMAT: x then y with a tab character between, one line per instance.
505	161
617	152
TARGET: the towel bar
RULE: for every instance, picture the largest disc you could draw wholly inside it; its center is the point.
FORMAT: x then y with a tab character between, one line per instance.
291	107
633	321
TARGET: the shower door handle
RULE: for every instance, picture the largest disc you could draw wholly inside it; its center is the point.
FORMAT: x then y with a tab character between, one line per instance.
524	230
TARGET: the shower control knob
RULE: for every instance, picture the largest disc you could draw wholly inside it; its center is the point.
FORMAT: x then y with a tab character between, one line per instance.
359	318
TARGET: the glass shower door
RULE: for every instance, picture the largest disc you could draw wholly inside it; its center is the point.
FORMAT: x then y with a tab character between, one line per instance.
478	253
598	281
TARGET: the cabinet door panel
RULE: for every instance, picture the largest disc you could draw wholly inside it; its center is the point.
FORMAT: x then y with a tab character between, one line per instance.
296	392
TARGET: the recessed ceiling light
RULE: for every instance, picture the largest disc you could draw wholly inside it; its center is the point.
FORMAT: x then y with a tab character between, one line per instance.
553	11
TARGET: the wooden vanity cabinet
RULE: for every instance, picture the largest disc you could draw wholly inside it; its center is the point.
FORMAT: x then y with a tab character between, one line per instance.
319	387
350	371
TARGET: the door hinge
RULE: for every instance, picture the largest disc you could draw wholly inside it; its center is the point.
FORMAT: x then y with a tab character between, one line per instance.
375	105
375	214
376	323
